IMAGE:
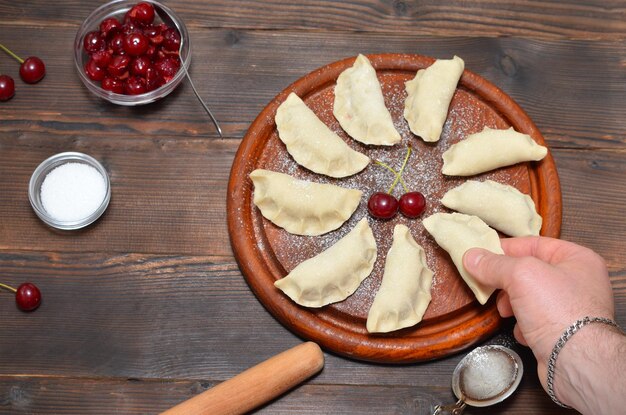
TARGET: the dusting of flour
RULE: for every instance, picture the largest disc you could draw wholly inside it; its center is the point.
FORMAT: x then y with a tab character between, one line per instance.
468	114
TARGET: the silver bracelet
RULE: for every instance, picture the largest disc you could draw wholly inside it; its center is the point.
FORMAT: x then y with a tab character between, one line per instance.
567	334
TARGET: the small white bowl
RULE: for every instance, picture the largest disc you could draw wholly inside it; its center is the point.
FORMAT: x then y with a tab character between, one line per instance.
40	173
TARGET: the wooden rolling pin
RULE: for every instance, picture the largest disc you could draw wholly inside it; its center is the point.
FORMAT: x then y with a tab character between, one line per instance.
257	385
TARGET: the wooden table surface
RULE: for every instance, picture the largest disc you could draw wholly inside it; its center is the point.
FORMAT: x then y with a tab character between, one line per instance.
147	306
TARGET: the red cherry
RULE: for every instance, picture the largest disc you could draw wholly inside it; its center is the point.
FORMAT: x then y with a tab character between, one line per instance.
171	40
167	67
160	54
130	27
93	42
136	44
110	27
112	84
151	53
27	297
153	79
102	58
116	44
118	65
154	34
135	85
140	66
32	70
412	204
7	88
93	71
141	14
382	205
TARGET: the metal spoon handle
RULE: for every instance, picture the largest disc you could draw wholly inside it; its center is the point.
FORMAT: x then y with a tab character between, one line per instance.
208	111
164	13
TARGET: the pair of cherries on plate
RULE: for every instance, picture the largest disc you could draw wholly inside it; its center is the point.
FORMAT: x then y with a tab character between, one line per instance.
385	206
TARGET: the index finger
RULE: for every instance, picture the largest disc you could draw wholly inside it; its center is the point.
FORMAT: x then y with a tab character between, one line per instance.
549	250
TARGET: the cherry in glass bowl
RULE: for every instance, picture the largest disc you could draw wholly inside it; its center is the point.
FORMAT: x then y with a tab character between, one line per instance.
118	9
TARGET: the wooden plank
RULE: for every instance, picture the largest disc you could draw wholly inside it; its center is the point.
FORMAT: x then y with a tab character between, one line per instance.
168	196
147	307
176	189
147	317
594	195
575	96
106	396
525	18
169	317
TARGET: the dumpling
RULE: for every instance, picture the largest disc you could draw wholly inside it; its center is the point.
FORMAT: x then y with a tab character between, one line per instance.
456	233
488	150
301	207
404	292
501	206
360	107
312	144
334	274
429	96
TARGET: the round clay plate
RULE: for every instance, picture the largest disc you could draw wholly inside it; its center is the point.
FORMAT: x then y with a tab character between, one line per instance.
454	320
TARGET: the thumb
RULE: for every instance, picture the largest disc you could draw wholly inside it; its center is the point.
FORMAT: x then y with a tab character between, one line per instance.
488	268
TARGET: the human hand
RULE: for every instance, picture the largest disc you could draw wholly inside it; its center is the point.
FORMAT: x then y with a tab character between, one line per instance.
547	284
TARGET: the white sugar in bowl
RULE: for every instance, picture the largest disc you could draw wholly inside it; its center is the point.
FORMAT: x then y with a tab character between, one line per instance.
69	190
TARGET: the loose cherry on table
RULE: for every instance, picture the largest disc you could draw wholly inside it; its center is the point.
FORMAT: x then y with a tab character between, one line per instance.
27	295
32	69
7	88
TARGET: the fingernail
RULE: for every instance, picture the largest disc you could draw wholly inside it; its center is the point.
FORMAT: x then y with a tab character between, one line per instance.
473	257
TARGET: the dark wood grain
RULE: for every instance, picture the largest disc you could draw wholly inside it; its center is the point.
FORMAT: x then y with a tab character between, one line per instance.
138	396
167	195
140	326
573	90
169	317
523	18
147	307
185	208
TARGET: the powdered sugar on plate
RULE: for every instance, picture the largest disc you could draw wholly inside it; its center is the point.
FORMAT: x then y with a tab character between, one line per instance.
468	114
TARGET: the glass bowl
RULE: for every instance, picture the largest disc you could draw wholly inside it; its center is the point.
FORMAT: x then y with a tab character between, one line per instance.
40	173
118	9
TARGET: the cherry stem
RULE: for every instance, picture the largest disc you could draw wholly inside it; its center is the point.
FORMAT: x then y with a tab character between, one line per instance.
7	287
399	174
395	173
4	48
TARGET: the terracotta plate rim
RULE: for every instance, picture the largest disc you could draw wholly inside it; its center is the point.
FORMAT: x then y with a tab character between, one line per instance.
443	338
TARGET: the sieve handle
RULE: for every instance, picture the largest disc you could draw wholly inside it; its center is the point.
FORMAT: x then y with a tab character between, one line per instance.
454	409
